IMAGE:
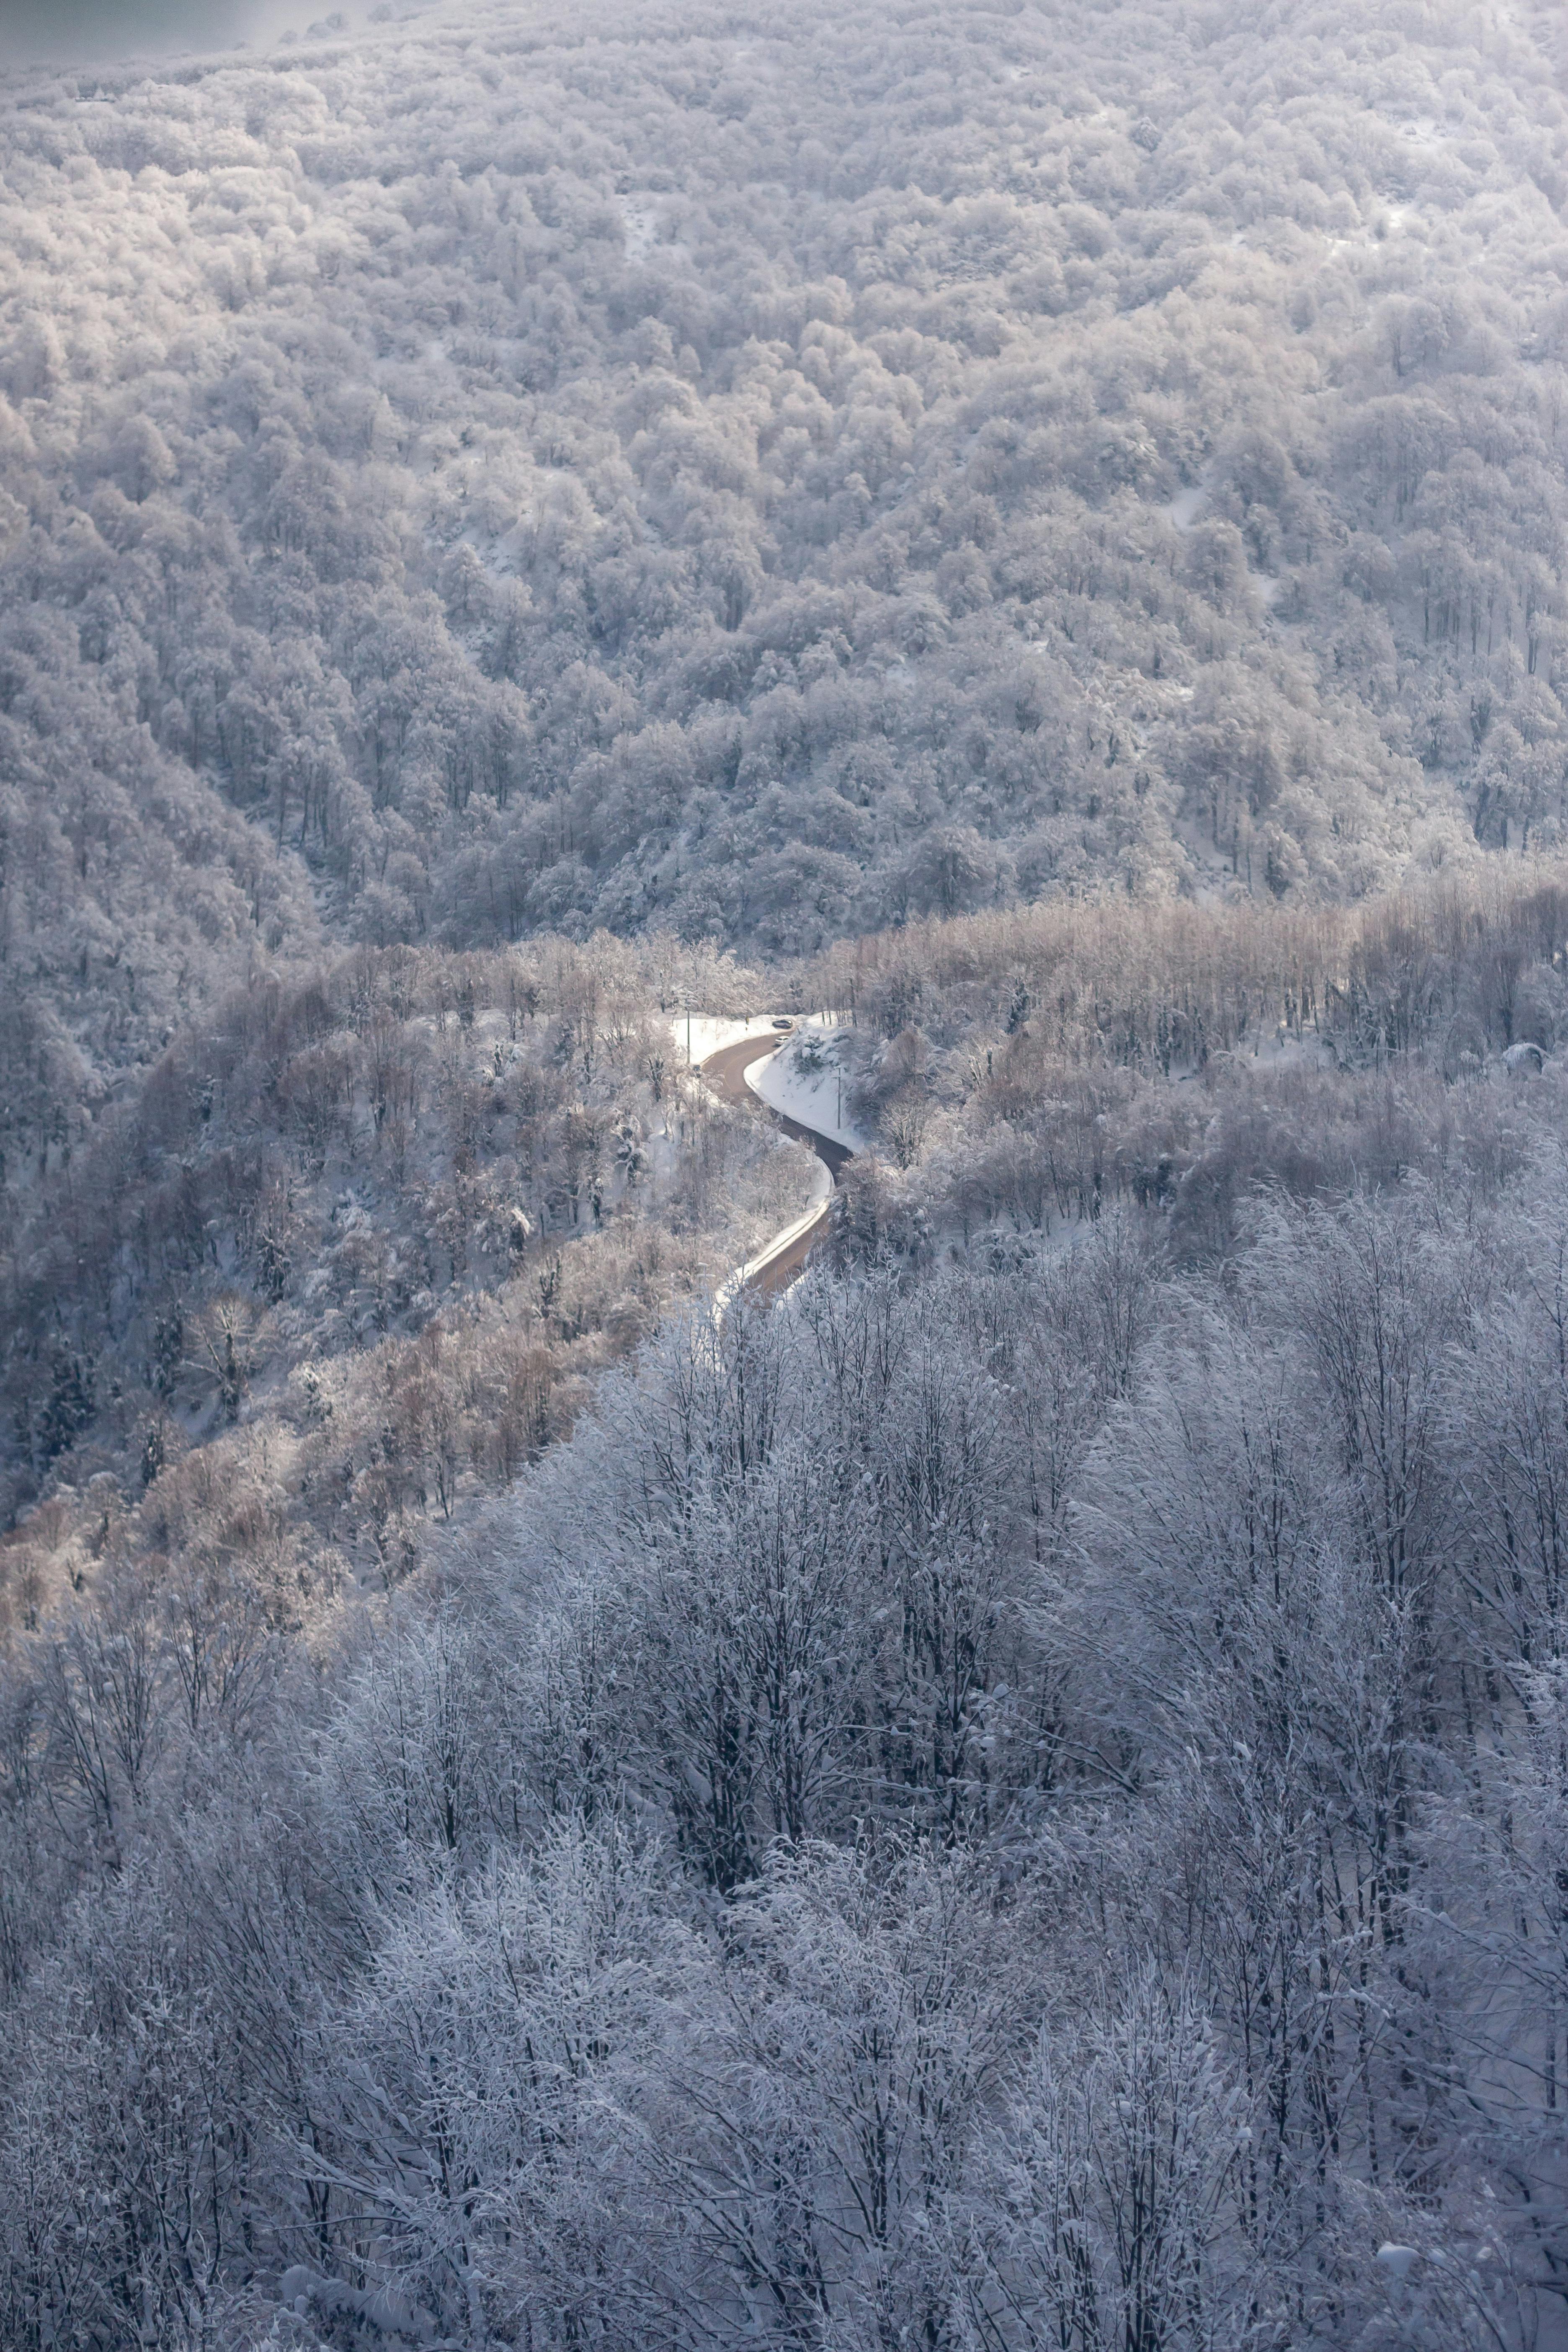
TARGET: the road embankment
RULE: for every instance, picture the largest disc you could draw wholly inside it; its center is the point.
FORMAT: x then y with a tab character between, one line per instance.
772	1271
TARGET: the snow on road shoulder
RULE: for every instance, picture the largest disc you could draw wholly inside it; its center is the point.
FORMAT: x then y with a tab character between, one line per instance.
821	1187
803	1080
709	1033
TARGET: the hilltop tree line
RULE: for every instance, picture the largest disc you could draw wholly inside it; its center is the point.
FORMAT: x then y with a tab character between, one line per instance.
1019	1072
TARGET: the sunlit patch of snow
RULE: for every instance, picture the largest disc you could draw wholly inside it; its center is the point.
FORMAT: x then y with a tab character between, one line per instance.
708	1033
1390	220
644	226
814	1097
639	224
1184	507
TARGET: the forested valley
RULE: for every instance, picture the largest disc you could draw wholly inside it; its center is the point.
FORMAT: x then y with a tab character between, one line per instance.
1016	1796
769	479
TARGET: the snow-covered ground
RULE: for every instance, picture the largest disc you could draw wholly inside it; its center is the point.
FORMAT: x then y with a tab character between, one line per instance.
709	1033
1184	507
812	1096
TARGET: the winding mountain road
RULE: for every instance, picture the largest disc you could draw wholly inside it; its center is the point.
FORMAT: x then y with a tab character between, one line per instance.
771	1273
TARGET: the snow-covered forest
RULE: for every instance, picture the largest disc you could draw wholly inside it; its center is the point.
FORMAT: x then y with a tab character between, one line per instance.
1019	1797
768	476
1014	1799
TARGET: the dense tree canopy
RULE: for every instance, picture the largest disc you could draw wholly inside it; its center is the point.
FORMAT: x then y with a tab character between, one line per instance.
768	476
1012	1799
1016	1799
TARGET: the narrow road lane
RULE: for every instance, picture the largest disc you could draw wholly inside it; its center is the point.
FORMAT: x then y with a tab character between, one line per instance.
725	1073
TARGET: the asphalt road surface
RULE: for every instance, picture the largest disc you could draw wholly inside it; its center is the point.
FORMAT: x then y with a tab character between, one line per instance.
725	1073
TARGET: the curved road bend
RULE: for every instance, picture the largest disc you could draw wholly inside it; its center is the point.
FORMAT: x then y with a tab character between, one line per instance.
725	1073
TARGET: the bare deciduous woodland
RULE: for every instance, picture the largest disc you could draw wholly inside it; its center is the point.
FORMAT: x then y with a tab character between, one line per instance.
1014	1799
